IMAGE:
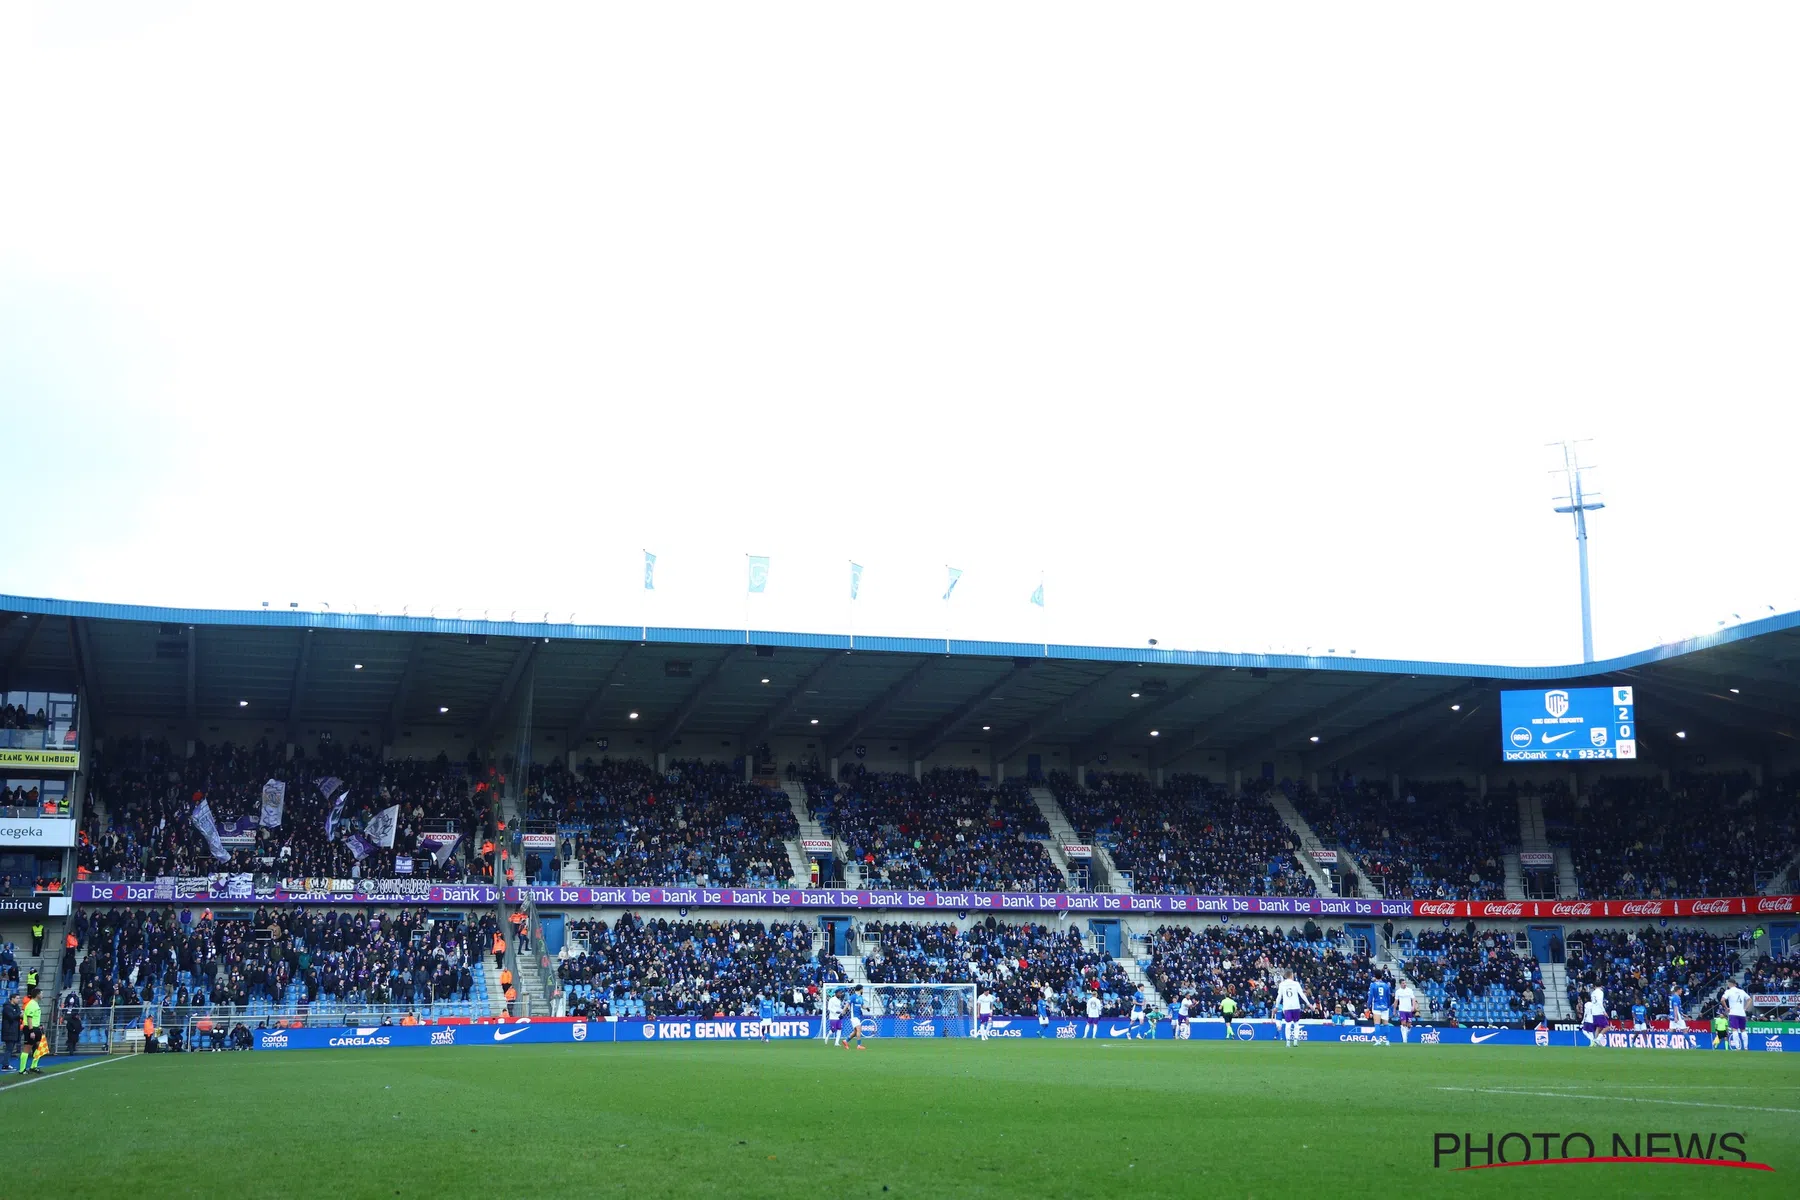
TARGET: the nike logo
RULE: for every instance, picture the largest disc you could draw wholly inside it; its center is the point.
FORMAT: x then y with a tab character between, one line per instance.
1117	1032
500	1035
1478	1038
1547	738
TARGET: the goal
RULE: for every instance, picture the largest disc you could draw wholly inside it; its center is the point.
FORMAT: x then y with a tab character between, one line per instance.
915	1009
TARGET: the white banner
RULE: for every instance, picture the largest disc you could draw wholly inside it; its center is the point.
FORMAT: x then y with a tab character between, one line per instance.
25	833
1328	857
1078	850
202	817
1536	858
816	845
274	800
381	826
538	841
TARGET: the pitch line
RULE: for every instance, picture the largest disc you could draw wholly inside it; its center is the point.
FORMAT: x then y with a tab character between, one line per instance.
1621	1099
58	1074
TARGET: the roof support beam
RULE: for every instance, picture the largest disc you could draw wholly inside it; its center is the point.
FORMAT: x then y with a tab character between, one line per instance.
1040	726
710	683
589	717
1278	739
788	703
842	739
298	685
1732	729
85	673
1709	692
938	734
508	688
409	675
1376	733
1141	719
1431	741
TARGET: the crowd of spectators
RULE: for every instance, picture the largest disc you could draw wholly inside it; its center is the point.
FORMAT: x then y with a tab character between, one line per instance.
1188	836
18	716
697	823
279	959
941	831
1018	962
1770	974
1474	976
1246	963
1440	840
663	968
144	793
1711	834
1639	966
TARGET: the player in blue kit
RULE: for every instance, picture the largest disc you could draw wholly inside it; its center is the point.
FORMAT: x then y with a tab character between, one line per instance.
1043	1014
853	1013
1677	1020
1381	999
1640	1017
765	1010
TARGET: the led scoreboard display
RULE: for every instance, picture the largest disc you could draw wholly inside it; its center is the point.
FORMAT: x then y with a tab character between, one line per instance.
1568	724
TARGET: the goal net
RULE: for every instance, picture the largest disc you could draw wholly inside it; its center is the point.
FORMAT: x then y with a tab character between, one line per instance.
916	1009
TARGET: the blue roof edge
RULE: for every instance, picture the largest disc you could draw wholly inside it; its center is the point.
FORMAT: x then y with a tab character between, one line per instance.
388	623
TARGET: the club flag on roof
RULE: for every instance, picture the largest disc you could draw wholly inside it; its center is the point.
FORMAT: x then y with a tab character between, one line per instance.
328	786
202	817
441	855
274	799
955	574
360	846
855	579
759	573
331	818
1037	597
649	571
381	826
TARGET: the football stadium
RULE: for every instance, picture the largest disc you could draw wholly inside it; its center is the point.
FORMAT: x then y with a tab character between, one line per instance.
787	600
292	884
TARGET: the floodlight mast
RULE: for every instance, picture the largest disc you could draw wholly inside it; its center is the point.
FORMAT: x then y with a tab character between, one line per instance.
1579	503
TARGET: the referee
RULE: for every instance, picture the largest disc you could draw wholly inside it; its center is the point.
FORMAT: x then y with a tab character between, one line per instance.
31	1046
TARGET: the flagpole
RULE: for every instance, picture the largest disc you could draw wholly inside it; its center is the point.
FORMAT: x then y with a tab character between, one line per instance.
746	597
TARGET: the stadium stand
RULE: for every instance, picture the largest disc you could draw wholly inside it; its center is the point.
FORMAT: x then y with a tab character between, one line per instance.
1473	978
942	831
1018	961
1706	835
1774	975
698	823
148	791
1246	963
1439	841
277	962
1638	966
1189	836
660	968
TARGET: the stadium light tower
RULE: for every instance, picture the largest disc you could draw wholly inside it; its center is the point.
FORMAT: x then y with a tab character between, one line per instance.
1579	504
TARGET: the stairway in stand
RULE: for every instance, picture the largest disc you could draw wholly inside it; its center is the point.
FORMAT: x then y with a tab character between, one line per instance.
1061	832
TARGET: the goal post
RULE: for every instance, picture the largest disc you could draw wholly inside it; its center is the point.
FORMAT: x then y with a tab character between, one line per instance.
914	1009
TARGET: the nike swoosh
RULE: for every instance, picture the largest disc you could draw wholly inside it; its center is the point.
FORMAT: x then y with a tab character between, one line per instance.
1547	738
1478	1038
1117	1032
500	1035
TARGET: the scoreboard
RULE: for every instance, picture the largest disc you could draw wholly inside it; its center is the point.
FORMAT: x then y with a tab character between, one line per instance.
1568	724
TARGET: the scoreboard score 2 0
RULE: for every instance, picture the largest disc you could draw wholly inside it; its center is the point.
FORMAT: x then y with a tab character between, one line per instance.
1568	724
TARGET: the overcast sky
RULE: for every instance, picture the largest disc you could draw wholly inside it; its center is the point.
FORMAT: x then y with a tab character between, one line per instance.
1243	326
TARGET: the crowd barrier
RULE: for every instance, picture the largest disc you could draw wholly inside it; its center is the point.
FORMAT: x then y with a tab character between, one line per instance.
246	889
1111	1030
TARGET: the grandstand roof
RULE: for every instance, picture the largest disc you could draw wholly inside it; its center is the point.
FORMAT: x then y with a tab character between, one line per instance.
1737	689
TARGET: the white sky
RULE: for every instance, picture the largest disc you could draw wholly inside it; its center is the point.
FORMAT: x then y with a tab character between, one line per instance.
1245	325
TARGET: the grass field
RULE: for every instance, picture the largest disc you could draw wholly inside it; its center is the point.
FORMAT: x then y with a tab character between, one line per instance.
904	1119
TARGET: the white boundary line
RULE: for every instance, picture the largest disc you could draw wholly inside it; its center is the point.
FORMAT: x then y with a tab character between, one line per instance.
59	1074
1624	1099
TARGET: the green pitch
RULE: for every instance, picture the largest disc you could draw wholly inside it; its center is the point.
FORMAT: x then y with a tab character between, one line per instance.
903	1119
